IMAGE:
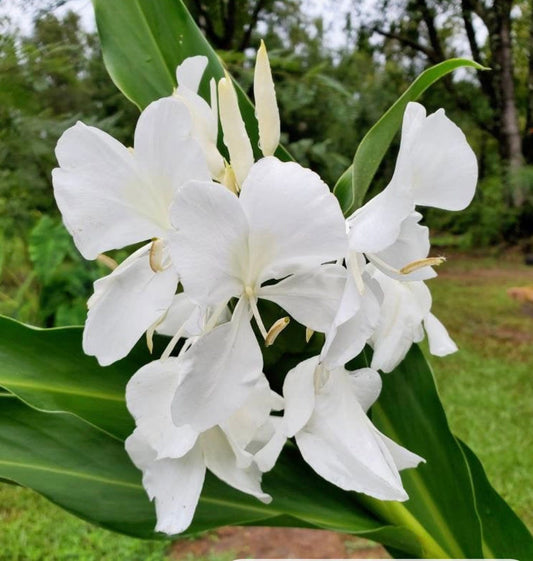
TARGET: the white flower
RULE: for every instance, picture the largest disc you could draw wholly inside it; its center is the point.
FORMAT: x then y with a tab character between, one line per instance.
111	197
435	167
243	444
405	313
325	412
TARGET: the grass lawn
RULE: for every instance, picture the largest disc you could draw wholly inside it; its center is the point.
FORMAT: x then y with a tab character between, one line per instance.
486	389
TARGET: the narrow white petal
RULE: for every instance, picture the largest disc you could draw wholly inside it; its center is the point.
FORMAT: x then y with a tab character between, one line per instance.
149	395
299	395
210	248
97	189
402	457
174	484
124	305
189	73
218	373
266	107
440	343
311	298
293	216
235	136
182	313
221	460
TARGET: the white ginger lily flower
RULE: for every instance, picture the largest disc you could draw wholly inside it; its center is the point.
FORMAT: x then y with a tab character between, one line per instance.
111	197
435	167
325	410
204	116
284	225
245	443
405	314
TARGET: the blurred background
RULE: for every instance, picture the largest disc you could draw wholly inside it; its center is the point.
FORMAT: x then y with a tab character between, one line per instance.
337	65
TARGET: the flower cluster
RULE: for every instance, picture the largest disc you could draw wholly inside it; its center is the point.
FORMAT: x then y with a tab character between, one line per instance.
222	233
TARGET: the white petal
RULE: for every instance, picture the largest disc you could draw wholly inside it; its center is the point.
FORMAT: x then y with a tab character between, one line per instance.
267	456
211	242
182	312
98	188
221	460
377	224
438	163
311	298
218	373
299	394
189	73
235	135
411	245
167	153
266	107
405	305
356	320
293	216
149	395
244	423
403	458
341	444
174	484
124	305
366	385
440	343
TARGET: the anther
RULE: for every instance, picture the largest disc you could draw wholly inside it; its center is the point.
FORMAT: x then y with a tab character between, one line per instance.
107	261
156	255
275	330
308	334
421	263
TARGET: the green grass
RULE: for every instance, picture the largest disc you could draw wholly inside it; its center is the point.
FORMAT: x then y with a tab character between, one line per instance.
487	386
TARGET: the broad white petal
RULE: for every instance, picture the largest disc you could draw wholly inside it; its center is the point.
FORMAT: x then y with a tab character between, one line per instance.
149	395
124	305
221	460
299	394
439	164
311	298
211	243
189	73
340	443
440	343
99	190
167	153
175	484
293	217
366	385
377	224
217	374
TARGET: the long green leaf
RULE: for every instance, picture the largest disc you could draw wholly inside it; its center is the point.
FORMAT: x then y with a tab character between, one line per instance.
504	534
88	473
352	186
441	508
47	369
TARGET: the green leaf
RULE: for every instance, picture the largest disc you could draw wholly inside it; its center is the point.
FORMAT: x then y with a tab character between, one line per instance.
143	47
47	369
441	509
377	140
89	474
504	534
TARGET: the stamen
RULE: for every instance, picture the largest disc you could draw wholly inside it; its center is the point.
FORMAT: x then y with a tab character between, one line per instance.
421	263
356	273
308	334
172	343
275	330
255	311
156	255
107	261
215	317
